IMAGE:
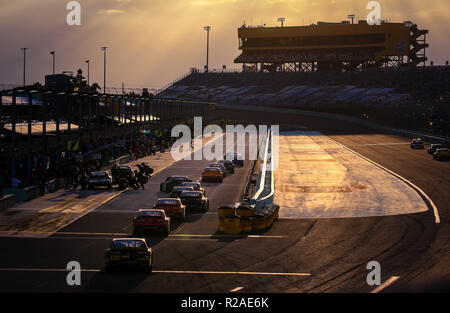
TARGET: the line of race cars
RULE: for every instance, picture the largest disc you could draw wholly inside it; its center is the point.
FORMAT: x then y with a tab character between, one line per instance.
438	150
185	196
217	171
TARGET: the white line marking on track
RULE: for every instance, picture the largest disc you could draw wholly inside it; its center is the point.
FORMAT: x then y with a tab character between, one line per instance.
5	269
79	238
236	289
387	283
417	189
190	239
179	228
385	144
70	234
121	211
227	236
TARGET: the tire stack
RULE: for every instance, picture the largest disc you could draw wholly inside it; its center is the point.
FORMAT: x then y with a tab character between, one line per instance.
224	211
242	218
246	213
264	218
258	221
232	225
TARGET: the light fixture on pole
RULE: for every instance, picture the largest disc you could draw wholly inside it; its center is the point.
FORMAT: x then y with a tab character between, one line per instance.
207	28
53	54
351	16
104	68
87	61
281	19
24	62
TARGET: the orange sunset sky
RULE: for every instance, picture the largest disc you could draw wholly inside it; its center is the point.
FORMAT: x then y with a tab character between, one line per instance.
152	42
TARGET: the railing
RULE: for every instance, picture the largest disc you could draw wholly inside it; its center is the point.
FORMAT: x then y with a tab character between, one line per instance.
8	86
173	82
220	71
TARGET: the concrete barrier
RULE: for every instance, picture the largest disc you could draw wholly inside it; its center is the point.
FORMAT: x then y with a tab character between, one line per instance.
7	201
266	180
261	181
23	194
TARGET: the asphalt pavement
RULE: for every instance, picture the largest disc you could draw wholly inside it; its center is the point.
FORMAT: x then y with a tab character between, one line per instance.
295	255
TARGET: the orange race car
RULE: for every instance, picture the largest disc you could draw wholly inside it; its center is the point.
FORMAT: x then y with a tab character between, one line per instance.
212	174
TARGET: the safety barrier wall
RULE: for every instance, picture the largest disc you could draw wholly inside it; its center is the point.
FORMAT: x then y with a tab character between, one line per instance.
7	201
263	148
267	196
265	183
23	194
250	174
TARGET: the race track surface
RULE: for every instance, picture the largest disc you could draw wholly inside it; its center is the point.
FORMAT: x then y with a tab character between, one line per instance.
295	255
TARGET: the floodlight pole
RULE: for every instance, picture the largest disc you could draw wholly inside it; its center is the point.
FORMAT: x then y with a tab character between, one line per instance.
53	54
207	28
104	69
24	63
87	61
352	17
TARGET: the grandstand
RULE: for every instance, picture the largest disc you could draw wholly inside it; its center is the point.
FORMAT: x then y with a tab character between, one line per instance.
331	46
280	92
352	69
407	97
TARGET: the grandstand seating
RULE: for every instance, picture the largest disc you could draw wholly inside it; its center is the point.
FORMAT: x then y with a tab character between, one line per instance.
314	90
404	98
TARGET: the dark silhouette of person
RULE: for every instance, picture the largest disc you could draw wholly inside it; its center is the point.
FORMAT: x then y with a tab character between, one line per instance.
139	176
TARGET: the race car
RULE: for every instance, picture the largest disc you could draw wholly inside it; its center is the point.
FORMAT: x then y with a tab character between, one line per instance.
196	185
194	200
212	174
172	207
122	175
442	153
129	252
99	179
234	157
149	220
432	149
229	166
417	144
176	191
172	181
221	167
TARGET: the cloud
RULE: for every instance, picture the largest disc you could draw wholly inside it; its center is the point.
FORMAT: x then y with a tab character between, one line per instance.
111	11
211	2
